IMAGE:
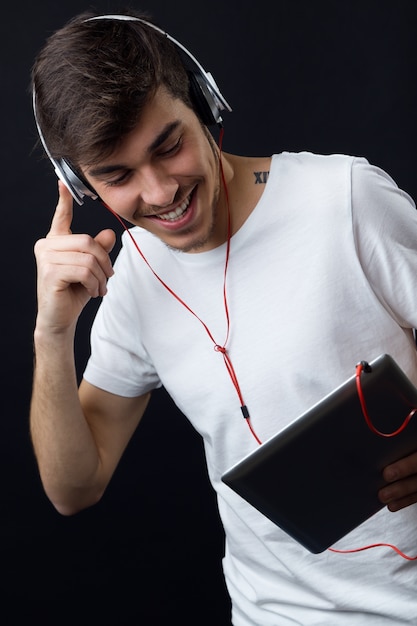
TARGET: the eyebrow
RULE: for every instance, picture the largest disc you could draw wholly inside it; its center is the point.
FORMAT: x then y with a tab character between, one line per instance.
165	133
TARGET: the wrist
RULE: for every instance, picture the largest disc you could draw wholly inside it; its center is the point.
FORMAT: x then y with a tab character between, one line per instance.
45	335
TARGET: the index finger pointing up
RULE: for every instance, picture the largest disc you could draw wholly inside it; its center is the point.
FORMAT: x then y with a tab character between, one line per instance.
61	221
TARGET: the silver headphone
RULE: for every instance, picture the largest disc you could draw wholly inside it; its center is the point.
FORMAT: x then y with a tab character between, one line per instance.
206	96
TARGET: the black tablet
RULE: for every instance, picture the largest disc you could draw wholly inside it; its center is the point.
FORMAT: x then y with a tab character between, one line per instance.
318	478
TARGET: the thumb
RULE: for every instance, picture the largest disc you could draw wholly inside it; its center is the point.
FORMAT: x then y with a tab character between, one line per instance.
106	238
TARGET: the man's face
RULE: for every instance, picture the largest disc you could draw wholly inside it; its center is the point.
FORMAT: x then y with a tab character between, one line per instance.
164	177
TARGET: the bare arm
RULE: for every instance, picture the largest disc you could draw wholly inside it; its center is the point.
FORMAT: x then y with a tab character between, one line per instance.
78	442
78	434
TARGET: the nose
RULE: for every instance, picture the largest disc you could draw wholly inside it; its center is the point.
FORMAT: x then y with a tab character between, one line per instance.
158	189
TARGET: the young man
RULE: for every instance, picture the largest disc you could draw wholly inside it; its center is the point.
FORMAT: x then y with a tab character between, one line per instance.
231	294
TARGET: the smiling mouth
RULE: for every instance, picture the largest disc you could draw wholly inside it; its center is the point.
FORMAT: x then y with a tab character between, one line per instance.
175	214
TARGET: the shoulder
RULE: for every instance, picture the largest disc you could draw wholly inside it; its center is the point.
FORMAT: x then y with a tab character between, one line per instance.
315	170
306	175
371	184
379	205
306	159
359	178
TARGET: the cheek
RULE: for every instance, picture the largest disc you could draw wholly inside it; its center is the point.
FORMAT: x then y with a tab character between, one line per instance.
120	201
196	158
186	165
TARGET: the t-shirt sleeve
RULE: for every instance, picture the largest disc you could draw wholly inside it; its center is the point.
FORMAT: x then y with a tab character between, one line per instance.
385	231
119	362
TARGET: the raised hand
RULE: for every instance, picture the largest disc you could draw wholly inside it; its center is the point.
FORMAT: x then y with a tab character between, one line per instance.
71	268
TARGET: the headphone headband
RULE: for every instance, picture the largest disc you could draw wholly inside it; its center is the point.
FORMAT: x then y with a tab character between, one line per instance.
207	98
190	63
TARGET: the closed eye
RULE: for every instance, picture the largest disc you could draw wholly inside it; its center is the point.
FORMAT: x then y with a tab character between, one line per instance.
171	150
123	178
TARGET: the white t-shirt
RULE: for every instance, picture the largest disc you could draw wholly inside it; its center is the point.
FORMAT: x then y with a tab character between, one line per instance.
321	275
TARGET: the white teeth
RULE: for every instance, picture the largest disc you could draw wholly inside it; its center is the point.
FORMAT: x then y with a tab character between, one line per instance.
176	213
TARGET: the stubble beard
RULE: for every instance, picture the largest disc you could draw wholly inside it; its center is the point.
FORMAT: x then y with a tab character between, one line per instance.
195	246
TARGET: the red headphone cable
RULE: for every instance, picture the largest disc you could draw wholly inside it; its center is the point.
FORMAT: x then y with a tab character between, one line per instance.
229	365
359	369
217	347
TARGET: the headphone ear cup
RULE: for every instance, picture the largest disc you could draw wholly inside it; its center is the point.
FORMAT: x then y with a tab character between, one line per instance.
205	105
77	185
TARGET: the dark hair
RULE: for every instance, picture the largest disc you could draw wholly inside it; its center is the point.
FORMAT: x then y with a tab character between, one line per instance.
92	80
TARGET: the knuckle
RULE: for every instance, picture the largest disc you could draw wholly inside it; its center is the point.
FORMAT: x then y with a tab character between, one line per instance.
39	246
85	274
89	261
86	242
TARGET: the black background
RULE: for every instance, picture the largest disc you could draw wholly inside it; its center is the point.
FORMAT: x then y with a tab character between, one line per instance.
324	76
